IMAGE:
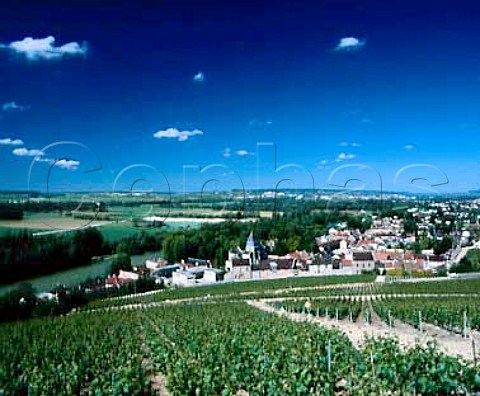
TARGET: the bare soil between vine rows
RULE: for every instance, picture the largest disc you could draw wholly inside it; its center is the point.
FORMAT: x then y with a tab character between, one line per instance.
407	335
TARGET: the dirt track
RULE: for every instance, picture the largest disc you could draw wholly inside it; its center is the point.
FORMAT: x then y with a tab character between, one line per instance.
408	336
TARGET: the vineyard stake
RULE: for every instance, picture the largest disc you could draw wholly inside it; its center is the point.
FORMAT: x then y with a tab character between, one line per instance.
329	354
113	384
473	353
371	361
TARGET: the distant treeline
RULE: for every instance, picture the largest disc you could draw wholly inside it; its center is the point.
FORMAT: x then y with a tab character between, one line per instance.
23	256
10	212
246	207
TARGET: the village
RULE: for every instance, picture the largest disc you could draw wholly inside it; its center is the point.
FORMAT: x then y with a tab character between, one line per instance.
389	247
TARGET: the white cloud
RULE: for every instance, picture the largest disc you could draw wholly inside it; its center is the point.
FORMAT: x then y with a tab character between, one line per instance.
12	106
23	152
67	164
174	133
344	156
44	48
242	153
349	144
199	77
227	152
40	159
409	147
61	163
256	123
322	164
11	142
349	44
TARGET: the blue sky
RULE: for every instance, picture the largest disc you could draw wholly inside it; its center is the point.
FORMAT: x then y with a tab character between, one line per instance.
159	93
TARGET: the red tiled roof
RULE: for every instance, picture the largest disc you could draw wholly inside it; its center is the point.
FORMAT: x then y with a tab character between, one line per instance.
362	256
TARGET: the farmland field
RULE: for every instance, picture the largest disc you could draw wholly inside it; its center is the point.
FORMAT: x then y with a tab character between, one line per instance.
112	230
299	336
46	222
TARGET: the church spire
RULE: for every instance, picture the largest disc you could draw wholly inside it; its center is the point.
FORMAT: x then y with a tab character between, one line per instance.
250	246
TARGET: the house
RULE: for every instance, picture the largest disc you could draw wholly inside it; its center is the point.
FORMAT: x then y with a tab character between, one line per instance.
363	261
164	272
195	262
113	281
155	263
435	263
212	275
191	276
45	296
128	276
183	278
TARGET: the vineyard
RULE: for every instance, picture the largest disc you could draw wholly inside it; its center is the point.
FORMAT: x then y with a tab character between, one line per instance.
243	290
328	308
454	314
217	342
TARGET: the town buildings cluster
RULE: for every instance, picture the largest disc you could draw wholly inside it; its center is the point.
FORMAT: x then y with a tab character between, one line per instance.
385	247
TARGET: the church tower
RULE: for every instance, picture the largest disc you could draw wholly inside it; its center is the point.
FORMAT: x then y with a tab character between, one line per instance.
252	249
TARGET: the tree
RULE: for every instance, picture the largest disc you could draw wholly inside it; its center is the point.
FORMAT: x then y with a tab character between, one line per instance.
121	261
440	247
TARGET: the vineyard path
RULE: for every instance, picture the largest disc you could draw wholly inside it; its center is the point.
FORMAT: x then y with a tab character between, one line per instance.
408	336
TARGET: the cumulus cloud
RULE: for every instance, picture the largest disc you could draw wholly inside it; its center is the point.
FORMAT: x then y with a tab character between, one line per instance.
174	133
349	44
344	156
227	152
67	164
63	163
23	152
409	147
12	106
11	142
199	77
44	48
